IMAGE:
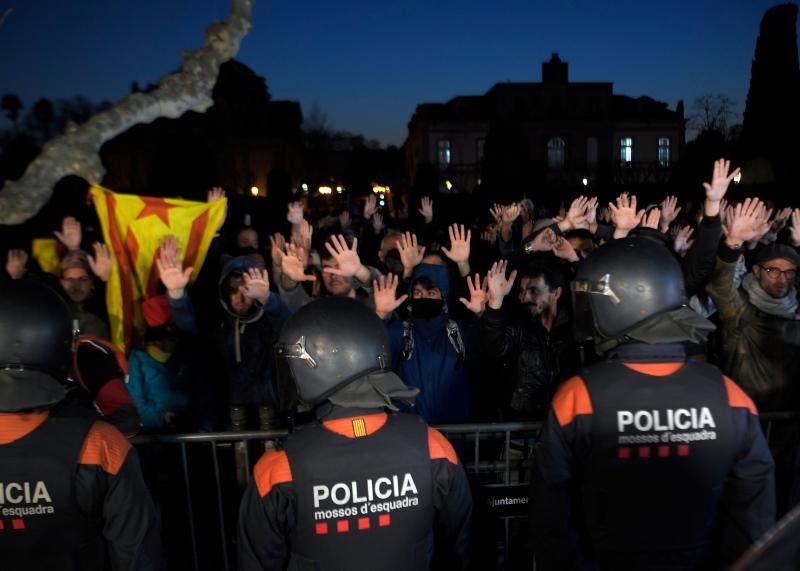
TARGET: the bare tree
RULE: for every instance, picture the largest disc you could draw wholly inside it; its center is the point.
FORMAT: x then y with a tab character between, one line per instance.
712	112
76	152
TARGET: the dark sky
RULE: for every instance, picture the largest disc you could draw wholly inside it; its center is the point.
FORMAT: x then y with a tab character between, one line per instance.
368	64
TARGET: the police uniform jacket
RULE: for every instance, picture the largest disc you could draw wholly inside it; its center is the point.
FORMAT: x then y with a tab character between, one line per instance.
72	497
357	492
650	465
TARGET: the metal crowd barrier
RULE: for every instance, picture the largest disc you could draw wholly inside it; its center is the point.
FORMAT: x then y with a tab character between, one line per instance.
198	490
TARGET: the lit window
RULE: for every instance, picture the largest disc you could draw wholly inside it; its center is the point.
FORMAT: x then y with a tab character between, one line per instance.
663	151
555	153
444	152
479	146
626	150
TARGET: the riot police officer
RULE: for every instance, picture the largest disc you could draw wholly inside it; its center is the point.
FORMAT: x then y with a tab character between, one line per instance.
361	487
71	491
647	460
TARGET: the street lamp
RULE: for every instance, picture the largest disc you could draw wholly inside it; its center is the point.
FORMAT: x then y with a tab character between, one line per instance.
254	190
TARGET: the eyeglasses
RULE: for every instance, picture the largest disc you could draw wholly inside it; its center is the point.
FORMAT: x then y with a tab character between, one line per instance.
773	273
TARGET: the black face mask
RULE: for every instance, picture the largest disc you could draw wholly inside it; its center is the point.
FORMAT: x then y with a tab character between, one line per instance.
426	308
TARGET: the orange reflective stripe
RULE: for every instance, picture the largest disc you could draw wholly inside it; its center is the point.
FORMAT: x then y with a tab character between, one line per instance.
440	447
272	469
15	425
572	399
104	446
737	398
655	369
351	428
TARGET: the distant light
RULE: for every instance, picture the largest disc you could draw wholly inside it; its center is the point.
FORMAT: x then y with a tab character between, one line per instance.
339	189
378	189
254	190
381	196
738	177
479	180
304	186
448	184
382	202
585	182
325	190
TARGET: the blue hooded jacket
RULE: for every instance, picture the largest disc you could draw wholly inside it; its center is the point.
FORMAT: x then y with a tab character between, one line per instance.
425	356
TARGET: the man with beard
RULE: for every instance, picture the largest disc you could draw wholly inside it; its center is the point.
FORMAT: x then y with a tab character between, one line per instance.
761	333
538	344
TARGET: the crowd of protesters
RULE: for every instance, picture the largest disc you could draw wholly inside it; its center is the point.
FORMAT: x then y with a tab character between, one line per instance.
479	314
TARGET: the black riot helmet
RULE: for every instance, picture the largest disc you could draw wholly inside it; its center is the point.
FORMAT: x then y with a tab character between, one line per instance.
36	336
622	285
330	343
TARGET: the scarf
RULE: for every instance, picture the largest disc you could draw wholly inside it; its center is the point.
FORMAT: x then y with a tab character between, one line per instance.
785	307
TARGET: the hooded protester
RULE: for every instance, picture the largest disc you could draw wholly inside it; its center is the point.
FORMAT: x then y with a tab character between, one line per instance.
430	350
253	318
72	492
361	487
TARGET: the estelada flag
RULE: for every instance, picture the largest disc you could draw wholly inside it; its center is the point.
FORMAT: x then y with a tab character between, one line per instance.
133	227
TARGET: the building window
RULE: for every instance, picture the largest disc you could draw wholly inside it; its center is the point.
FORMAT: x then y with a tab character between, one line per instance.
626	150
444	152
663	151
555	153
479	147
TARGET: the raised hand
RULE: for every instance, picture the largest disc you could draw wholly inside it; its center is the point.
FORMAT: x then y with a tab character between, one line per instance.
277	247
15	263
256	285
101	262
346	257
70	234
301	235
426	209
411	253
720	179
490	235
624	215
497	212
383	292
744	223
217	193
781	219
344	219
370	206
576	215
498	285
170	267
543	241
478	295
459	244
293	264
294	212
564	250
651	219
683	240
794	226
591	211
669	212
510	213
377	222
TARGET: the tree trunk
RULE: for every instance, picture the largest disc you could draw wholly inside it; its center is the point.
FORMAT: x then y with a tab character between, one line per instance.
76	152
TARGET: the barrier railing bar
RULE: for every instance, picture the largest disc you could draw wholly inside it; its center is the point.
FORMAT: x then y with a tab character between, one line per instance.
219	506
189	504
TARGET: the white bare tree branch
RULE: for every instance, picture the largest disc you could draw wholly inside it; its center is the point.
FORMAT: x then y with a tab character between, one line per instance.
76	152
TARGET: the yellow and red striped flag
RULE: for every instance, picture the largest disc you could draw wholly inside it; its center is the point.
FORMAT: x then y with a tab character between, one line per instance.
133	226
